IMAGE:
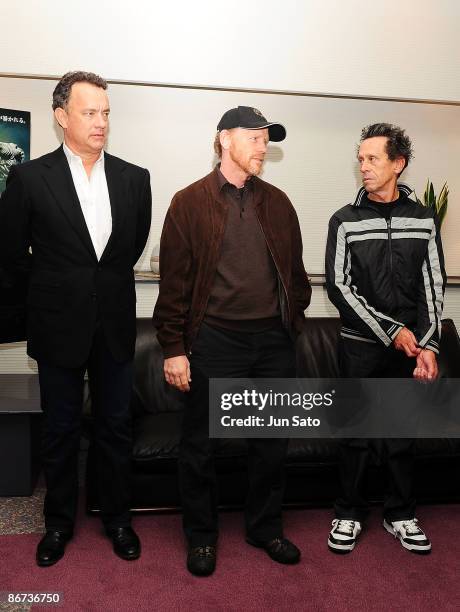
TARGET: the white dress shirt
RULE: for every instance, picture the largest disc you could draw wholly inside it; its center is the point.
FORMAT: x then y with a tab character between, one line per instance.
93	195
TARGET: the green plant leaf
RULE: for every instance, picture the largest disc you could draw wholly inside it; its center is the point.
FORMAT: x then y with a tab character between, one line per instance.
432	197
442	213
439	203
426	193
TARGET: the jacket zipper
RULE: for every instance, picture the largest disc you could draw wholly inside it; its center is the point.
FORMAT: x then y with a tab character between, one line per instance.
390	254
279	275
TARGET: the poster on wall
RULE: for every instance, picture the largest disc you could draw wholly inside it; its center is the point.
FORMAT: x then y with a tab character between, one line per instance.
14	141
14	149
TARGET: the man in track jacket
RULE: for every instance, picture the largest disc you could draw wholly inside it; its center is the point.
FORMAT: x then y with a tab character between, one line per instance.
385	275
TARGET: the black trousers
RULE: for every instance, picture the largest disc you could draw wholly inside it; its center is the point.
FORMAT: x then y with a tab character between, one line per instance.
62	398
219	353
363	360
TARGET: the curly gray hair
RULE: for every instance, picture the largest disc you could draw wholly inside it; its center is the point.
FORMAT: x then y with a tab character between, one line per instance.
61	93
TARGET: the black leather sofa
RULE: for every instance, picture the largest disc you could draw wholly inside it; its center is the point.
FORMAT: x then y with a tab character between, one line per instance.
311	465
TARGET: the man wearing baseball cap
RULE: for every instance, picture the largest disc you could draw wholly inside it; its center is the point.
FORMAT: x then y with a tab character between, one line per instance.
232	298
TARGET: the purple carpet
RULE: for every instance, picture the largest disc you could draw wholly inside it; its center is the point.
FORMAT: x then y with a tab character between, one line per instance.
378	575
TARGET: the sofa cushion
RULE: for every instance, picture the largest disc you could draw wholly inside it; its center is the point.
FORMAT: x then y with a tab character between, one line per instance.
316	348
157	436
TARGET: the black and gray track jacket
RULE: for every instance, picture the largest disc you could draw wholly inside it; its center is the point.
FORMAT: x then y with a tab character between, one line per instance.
383	275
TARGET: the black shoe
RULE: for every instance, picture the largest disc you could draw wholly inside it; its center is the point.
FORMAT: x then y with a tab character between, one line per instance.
279	549
125	542
201	560
51	547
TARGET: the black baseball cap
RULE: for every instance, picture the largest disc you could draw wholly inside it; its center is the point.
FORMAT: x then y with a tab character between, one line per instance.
251	118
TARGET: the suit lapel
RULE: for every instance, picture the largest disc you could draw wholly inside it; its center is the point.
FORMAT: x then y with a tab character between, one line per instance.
118	197
59	180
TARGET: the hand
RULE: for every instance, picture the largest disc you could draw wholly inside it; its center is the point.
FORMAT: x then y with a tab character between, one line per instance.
405	341
427	366
177	372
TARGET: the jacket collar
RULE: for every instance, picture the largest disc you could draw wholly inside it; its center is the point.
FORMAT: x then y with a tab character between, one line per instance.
403	188
213	185
59	180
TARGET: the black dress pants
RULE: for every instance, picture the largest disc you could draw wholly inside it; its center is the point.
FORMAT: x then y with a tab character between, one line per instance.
62	398
220	353
364	360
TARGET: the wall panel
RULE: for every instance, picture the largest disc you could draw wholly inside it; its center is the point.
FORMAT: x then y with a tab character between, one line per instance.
394	48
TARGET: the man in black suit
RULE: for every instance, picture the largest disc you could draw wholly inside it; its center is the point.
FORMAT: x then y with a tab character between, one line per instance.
86	216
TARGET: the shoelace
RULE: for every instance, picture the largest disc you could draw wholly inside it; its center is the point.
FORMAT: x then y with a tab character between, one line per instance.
345	526
204	551
411	527
277	544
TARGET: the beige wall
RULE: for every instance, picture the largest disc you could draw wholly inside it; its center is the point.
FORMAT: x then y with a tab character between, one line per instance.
170	132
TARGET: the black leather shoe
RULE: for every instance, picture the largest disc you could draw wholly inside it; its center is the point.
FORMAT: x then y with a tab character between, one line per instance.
201	560
279	549
125	542
51	547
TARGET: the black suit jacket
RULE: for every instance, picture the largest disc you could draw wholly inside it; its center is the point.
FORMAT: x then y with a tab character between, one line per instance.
69	289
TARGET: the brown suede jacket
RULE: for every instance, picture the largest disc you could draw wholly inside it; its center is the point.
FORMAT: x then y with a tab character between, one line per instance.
189	253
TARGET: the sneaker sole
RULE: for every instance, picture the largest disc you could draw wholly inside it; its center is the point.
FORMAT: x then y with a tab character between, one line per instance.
340	549
418	550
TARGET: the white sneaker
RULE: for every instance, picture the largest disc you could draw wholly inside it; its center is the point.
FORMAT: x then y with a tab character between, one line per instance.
342	538
410	535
